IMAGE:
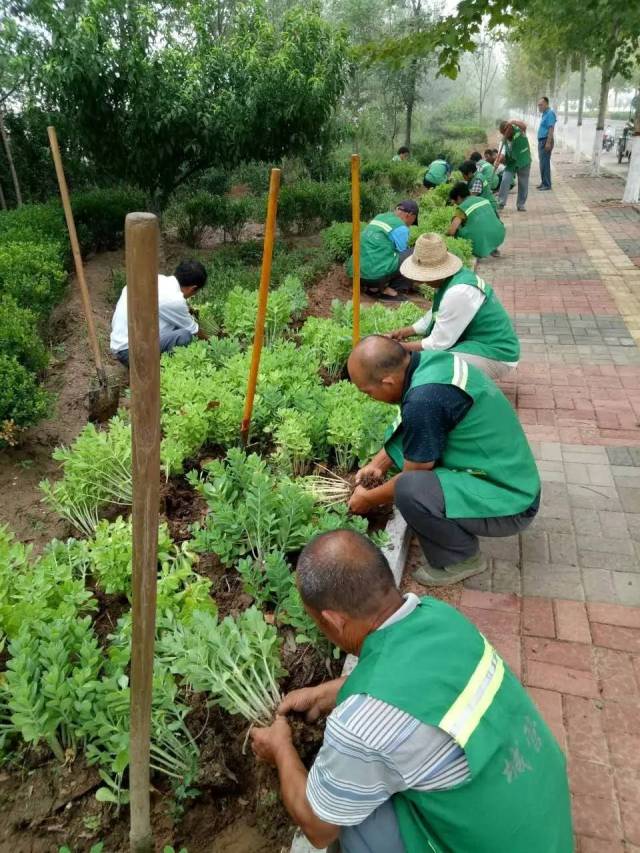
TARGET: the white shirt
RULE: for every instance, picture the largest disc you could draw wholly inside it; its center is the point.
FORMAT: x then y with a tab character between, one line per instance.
459	306
173	313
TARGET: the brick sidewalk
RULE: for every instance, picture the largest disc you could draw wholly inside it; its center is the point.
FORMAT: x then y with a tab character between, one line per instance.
581	664
567	277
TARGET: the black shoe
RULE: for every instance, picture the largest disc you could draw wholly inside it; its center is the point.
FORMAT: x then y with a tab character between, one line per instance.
539	187
544	189
521	209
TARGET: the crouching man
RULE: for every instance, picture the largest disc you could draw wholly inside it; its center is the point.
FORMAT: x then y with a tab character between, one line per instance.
177	325
431	744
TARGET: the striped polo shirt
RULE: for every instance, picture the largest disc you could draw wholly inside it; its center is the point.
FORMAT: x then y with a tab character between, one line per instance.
372	750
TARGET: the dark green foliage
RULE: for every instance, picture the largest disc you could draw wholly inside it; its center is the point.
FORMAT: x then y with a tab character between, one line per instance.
19	335
337	241
428	149
192	214
33	274
401	177
307	203
215	181
22	402
470	133
100	215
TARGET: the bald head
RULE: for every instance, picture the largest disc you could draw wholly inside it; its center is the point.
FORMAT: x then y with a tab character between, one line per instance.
343	571
377	366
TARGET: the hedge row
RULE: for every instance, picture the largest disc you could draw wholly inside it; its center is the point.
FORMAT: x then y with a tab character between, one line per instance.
34	264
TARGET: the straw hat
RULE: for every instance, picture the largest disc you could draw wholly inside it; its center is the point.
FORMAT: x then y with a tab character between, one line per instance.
430	260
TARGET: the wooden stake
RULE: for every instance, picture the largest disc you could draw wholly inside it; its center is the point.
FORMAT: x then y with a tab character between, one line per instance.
141	244
263	295
77	257
355	239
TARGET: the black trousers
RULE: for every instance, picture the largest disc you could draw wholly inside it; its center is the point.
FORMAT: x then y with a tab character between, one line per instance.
447	541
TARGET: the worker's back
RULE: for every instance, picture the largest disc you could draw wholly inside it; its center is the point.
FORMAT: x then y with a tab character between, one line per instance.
436	666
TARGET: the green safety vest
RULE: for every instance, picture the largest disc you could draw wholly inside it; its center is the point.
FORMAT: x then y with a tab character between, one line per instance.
517	153
437	172
486	192
488	173
378	254
487	469
437	667
481	226
490	333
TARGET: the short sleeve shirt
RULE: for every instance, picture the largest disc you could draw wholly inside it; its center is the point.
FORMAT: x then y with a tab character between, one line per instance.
548	120
429	413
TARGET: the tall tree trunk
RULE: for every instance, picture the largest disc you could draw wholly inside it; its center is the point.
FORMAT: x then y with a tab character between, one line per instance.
583	77
632	186
556	77
605	81
12	168
408	123
3	201
566	92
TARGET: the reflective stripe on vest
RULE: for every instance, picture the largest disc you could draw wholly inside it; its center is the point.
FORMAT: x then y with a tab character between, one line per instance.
460	372
463	716
481	203
480	282
385	227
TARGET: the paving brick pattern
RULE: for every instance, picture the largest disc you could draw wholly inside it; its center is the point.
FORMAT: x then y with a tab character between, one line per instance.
560	601
574	296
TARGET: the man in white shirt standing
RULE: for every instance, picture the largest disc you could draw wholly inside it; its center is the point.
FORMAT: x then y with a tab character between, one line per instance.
466	317
177	325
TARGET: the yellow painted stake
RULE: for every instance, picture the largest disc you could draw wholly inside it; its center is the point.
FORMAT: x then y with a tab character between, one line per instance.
355	239
263	295
141	248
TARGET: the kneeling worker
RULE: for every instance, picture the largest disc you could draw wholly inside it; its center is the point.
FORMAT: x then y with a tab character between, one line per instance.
431	744
437	173
177	326
478	185
467	468
466	317
476	220
384	244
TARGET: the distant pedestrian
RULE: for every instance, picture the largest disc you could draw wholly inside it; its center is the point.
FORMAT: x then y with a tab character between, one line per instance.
517	161
546	130
402	155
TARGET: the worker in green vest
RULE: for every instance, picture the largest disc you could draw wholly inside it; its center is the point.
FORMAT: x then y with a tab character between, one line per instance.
431	744
437	173
384	245
517	160
466	467
466	316
475	219
485	166
478	185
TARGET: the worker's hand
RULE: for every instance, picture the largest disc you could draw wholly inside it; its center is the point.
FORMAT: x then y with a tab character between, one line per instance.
401	334
267	743
313	702
547	146
360	501
369	470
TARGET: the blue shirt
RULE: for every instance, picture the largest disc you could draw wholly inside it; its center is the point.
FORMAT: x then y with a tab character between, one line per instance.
548	120
400	238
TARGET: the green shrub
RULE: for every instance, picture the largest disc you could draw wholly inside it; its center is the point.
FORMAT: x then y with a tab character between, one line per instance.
469	133
460	247
19	335
33	274
307	203
100	214
192	214
22	402
254	175
337	241
33	223
215	181
429	148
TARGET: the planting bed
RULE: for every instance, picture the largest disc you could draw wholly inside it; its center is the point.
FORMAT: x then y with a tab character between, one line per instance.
229	615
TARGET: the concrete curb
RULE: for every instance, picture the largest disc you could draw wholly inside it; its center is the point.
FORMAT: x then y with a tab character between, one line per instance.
396	553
